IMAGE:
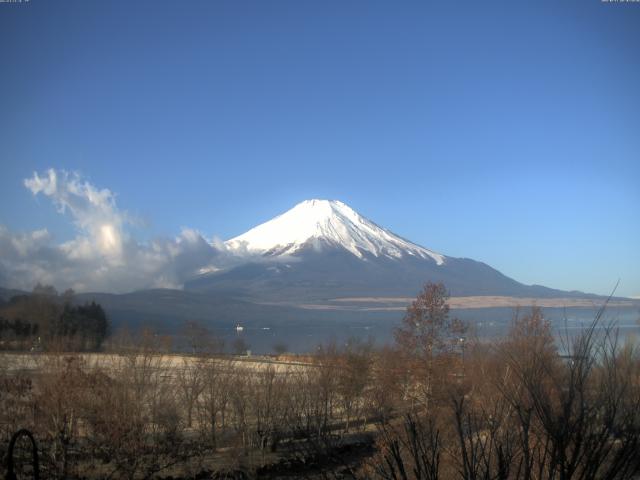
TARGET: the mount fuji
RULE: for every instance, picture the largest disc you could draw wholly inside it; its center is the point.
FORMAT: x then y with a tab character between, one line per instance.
322	224
319	267
323	249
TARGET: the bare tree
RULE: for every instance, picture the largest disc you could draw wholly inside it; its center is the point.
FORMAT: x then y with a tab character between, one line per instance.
427	335
240	409
588	410
390	384
58	410
132	417
217	384
322	384
354	375
268	406
410	451
190	379
200	340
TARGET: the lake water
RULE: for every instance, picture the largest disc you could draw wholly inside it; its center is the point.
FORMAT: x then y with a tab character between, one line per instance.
487	323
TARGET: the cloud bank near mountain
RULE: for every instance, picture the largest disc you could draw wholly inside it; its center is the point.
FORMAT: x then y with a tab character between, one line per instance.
102	256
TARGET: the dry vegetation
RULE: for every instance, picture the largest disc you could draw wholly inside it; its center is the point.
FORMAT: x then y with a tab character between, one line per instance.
480	301
437	405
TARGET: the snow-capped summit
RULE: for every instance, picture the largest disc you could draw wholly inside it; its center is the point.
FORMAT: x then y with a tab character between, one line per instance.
317	223
322	250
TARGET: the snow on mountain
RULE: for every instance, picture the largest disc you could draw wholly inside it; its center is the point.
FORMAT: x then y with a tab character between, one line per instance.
315	223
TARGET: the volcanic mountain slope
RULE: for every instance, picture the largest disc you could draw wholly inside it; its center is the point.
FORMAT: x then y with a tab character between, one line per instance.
323	249
318	224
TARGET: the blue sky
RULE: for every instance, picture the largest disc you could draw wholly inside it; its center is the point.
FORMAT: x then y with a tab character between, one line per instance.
507	132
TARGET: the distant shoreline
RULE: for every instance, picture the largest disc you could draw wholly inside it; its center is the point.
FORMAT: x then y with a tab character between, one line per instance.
478	301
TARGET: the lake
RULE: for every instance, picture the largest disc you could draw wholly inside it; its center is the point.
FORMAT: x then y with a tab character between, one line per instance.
487	323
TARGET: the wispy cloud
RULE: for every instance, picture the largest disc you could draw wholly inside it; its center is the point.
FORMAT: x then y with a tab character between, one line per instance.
94	211
102	256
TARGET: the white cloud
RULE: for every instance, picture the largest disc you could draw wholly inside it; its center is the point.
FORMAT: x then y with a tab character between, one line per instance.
94	211
102	257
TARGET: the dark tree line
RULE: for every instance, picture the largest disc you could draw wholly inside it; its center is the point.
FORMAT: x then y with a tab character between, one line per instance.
43	318
17	328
